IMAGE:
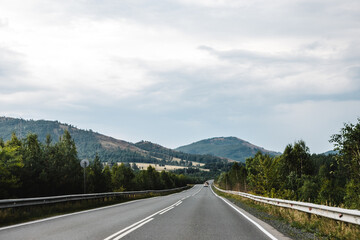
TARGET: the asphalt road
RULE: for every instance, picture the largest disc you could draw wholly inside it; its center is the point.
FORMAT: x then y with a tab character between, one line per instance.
192	214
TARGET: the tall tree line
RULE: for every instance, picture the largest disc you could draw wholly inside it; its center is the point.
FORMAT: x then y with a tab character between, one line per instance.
298	175
29	168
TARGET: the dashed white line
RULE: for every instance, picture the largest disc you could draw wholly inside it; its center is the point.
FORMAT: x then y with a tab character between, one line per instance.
185	198
127	228
133	229
140	223
197	192
166	210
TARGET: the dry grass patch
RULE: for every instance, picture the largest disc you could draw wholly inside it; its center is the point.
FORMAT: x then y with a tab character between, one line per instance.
144	166
196	164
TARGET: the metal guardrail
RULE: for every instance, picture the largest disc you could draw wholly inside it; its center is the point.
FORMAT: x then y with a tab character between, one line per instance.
11	203
340	214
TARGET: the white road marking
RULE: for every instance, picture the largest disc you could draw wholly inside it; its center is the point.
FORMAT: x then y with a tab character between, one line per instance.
133	229
197	192
178	203
185	198
127	228
138	224
166	211
249	219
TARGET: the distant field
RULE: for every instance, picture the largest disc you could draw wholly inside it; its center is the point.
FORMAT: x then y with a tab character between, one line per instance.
195	164
143	166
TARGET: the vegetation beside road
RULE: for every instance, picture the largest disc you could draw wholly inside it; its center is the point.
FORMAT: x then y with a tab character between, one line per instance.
29	168
108	149
332	180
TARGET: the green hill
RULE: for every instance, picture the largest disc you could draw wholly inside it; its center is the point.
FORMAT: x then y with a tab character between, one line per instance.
227	147
88	143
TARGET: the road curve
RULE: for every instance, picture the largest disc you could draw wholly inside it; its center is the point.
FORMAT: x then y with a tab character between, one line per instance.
192	214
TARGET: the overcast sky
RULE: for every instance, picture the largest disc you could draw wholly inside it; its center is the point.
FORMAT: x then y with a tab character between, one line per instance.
175	72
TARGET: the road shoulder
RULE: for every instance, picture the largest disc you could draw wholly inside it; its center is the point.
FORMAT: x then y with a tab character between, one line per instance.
267	227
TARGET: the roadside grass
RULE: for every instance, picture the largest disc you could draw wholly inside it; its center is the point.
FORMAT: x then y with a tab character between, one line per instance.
318	227
16	215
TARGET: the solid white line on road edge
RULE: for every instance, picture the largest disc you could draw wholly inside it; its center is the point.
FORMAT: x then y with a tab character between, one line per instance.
133	229
166	210
249	219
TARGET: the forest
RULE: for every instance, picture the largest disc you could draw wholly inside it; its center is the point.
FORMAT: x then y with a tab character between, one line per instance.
29	168
298	175
90	143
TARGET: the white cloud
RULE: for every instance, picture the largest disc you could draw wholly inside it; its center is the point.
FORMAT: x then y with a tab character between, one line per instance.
142	59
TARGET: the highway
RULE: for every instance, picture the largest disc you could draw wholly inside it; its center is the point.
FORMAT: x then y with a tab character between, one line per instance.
196	213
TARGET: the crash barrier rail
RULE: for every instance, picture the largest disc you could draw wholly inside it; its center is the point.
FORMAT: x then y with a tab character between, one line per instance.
11	203
340	214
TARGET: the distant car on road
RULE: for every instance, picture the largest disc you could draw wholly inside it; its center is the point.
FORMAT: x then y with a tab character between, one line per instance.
206	184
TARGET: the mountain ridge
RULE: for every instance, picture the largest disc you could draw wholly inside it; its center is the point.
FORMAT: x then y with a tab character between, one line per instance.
88	142
109	149
232	148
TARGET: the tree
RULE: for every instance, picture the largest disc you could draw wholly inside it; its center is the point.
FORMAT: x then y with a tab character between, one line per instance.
167	180
34	174
122	177
96	177
296	159
65	167
347	142
309	190
295	164
107	178
10	170
153	178
263	173
332	180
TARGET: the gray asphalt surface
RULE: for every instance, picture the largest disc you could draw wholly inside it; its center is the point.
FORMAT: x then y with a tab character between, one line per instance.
193	214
